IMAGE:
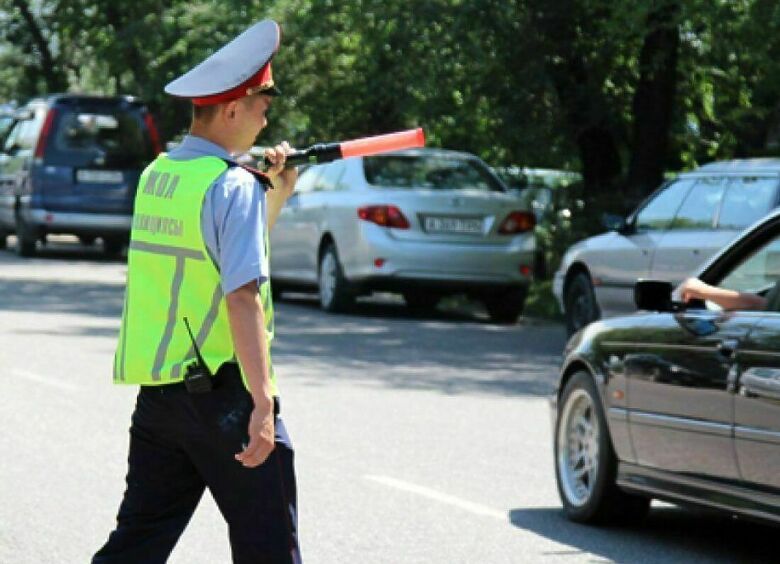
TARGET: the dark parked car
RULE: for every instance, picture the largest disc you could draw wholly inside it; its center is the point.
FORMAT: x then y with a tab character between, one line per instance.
677	402
70	164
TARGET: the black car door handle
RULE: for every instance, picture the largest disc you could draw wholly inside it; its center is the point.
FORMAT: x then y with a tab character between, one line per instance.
728	347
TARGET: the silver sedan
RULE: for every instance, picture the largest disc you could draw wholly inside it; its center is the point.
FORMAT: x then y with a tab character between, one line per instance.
423	223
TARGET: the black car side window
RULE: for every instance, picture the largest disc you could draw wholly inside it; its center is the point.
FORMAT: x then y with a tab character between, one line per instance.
658	213
758	272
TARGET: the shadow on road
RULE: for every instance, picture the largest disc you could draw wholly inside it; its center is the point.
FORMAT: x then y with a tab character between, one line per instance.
450	350
50	296
446	351
669	534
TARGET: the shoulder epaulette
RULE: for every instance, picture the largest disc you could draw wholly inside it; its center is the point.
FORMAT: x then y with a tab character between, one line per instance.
261	177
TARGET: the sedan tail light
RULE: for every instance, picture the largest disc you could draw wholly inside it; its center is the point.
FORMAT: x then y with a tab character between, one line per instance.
517	222
386	216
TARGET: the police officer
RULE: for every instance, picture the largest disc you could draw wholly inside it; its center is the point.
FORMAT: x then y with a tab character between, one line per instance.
198	322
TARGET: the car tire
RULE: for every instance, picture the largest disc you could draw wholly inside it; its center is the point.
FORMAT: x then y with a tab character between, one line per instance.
112	246
580	303
506	307
333	287
421	301
585	461
26	238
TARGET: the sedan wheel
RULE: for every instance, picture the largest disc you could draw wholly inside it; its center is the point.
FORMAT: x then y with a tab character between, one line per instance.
585	462
580	302
334	293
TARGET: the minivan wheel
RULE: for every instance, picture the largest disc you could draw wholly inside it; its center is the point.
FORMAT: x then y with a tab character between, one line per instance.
506	307
25	238
580	303
333	287
585	462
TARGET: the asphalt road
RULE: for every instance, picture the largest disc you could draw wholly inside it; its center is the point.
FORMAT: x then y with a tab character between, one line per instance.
419	439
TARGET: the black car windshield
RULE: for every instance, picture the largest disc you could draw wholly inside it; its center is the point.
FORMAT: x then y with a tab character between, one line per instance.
99	137
429	172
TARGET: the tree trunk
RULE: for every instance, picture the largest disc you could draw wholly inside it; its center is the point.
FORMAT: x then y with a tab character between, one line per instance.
52	73
654	101
585	110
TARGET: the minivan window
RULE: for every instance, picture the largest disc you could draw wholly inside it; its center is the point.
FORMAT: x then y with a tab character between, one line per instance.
747	200
659	212
104	137
6	123
698	209
24	135
432	172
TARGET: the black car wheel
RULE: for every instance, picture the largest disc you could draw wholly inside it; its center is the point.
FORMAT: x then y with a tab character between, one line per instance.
506	307
585	462
580	302
333	288
26	238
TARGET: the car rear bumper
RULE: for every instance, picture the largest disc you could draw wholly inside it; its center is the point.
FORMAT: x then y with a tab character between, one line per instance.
382	262
66	222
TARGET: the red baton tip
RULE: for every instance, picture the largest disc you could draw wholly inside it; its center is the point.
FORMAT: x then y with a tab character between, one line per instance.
383	143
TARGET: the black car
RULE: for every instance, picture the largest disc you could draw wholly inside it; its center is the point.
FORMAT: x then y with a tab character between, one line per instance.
70	164
677	402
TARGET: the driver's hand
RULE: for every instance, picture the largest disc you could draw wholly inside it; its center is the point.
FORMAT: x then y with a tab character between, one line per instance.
692	289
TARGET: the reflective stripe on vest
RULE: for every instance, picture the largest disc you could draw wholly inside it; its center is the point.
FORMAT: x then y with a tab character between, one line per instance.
170	276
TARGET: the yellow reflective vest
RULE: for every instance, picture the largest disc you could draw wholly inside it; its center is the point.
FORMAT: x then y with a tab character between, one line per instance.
170	276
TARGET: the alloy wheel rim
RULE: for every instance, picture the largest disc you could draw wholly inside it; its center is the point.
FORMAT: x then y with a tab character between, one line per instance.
578	448
327	279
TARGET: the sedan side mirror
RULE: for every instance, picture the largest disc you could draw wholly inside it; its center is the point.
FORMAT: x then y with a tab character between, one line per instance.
653	295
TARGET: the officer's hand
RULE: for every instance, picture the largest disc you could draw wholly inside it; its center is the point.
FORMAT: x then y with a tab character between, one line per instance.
261	436
282	178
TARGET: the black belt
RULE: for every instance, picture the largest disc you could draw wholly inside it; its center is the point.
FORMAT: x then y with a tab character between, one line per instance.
227	370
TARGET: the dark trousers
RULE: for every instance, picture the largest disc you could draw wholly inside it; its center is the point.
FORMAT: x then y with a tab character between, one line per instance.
182	443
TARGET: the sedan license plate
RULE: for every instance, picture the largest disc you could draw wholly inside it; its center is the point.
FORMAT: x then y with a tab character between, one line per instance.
435	224
99	176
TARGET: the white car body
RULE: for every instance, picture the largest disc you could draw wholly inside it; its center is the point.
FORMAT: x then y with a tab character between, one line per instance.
465	253
615	260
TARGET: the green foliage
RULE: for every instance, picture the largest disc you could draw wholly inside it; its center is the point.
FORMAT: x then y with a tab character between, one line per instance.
514	81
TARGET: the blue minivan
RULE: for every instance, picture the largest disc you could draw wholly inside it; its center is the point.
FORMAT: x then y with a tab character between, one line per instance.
70	165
